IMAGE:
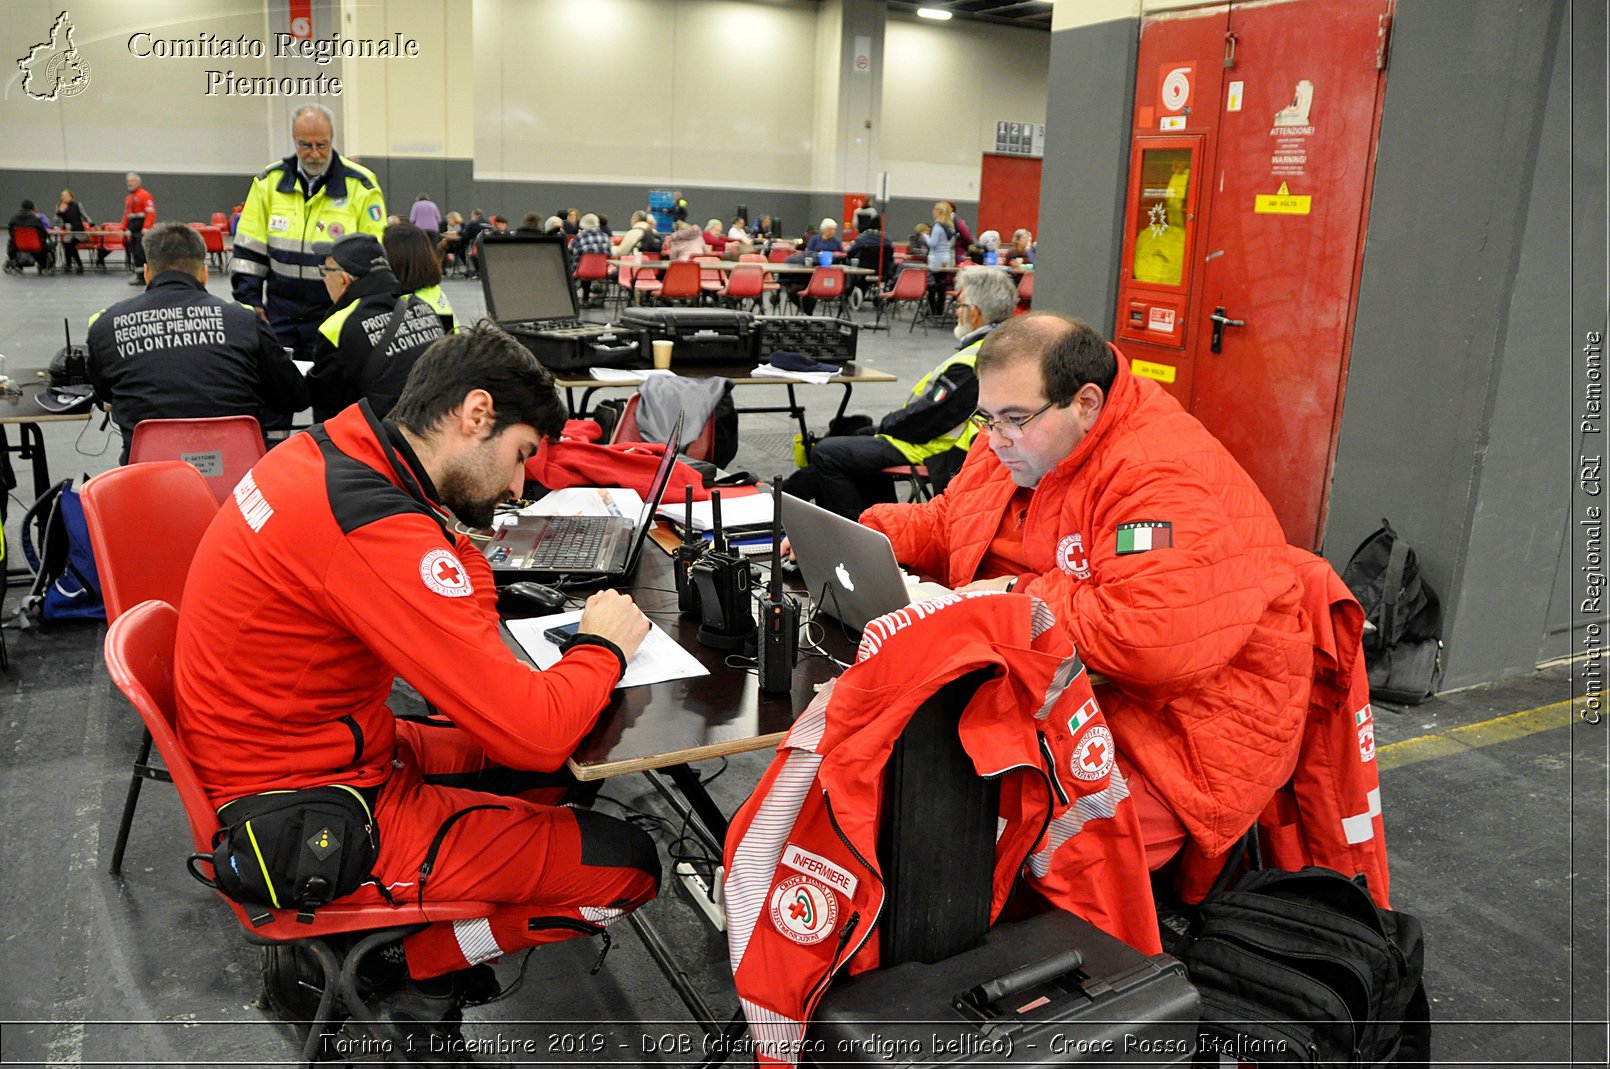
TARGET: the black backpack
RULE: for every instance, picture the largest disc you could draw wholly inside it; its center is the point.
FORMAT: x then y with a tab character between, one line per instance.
1302	968
1403	618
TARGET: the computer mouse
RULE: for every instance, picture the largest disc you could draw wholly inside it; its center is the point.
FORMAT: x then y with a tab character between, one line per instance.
527	595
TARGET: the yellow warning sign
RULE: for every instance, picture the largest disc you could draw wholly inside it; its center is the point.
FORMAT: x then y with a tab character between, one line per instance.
1282	203
1148	370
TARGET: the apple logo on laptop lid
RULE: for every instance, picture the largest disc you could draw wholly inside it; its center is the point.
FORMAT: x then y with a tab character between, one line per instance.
843	574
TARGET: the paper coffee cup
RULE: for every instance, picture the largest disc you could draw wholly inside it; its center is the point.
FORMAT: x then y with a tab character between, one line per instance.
662	354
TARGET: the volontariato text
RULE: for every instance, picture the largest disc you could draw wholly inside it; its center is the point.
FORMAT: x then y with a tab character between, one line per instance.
322	51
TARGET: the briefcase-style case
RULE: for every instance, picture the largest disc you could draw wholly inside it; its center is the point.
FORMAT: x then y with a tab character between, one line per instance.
1050	990
832	341
700	335
579	346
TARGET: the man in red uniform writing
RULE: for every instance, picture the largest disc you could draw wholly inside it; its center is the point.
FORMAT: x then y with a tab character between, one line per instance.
1094	490
336	566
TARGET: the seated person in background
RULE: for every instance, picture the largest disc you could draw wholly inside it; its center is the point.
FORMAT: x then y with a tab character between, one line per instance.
685	242
532	225
419	273
449	244
500	224
762	228
715	236
639	237
27	218
989	241
826	238
474	227
287	653
739	230
1094	490
374	333
1021	251
917	244
222	361
871	249
845	474
592	237
570	222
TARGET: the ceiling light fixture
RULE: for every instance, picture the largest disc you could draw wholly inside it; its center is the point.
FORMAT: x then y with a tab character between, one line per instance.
937	14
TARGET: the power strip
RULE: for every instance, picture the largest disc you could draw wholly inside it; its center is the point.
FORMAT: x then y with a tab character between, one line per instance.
710	902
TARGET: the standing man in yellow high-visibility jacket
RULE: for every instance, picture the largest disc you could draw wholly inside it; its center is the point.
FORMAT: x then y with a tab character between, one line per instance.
312	196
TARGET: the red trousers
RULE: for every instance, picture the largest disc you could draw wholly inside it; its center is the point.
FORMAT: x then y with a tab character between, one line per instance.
555	872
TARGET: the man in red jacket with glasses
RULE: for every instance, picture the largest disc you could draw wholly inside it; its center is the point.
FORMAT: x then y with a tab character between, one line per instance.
1096	491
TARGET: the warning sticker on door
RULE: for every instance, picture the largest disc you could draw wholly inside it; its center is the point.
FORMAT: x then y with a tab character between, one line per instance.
1160	319
1285	202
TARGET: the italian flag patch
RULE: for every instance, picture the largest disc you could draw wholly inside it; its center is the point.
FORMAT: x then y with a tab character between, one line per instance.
1148	534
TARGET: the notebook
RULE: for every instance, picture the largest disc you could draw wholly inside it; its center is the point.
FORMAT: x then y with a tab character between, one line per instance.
551	548
849	570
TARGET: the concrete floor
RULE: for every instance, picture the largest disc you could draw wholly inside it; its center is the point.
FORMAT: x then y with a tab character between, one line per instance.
1497	836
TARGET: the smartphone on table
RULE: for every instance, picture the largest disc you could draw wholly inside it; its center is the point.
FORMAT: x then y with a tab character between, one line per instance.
561	633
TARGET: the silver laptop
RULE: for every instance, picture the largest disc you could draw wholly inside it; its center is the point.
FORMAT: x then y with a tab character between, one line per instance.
579	547
849	570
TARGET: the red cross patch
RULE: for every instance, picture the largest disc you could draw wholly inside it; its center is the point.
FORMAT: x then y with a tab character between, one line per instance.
444	574
1071	556
1092	756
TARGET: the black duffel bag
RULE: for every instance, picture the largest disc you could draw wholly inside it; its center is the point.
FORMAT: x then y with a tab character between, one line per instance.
1302	968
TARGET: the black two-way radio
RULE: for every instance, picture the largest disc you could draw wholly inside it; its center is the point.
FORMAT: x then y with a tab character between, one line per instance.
722	579
689	553
777	647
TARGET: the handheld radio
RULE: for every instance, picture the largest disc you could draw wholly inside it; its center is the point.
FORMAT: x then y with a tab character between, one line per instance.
722	580
777	648
690	552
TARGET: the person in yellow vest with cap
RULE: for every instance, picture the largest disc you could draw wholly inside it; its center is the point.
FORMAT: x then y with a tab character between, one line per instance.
845	473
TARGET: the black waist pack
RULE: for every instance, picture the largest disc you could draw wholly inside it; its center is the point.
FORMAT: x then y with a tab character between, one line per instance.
1302	968
293	849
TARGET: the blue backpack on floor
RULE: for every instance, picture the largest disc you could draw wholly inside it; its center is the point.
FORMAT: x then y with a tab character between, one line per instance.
55	541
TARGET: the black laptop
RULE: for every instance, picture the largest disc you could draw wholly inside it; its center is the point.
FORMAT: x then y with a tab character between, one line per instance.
529	293
579	548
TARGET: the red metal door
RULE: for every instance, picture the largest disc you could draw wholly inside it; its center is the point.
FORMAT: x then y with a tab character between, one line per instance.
1279	244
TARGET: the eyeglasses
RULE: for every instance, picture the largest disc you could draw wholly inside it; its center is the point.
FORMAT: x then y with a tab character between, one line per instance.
1009	426
326	272
312	146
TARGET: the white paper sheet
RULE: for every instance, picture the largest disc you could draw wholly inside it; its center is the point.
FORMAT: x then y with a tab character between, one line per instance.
588	501
750	510
658	659
625	376
304	366
816	378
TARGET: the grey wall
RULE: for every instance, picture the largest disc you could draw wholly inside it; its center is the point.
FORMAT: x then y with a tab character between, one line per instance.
1091	97
1455	418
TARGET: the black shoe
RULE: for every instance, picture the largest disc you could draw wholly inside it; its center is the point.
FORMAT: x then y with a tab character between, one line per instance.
136	281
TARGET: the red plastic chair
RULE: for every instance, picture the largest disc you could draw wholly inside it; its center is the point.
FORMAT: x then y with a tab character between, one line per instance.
910	287
139	658
213	238
113	239
779	255
827	286
681	282
27	239
592	267
223	448
220	220
145	522
711	281
1025	291
746	283
626	430
646	283
916	475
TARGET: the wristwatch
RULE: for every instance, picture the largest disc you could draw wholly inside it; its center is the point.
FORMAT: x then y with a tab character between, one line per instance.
1011	584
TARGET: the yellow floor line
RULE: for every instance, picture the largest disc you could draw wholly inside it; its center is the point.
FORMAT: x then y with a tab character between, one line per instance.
1468	737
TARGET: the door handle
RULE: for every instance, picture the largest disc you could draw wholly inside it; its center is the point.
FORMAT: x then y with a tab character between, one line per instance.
1220	321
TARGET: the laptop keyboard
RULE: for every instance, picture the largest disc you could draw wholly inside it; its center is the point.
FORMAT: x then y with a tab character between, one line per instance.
569	542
